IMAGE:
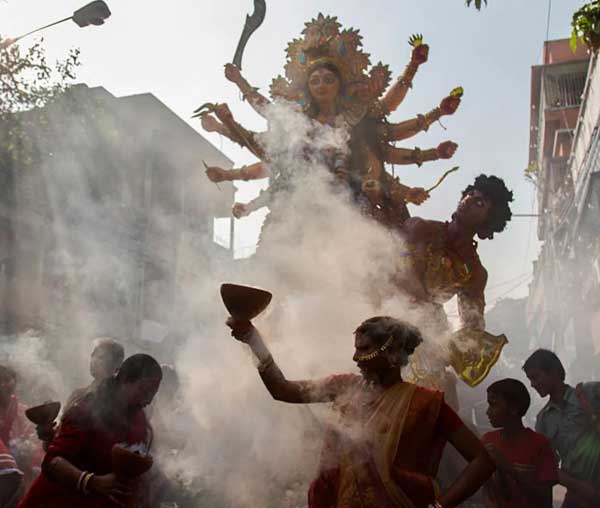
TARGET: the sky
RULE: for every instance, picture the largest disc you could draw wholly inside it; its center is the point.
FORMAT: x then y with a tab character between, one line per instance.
176	50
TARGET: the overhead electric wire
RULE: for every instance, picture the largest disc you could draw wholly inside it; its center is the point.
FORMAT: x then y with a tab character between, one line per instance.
516	286
508	281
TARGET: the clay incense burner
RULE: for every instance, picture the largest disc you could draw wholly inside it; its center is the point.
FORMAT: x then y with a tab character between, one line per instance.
43	414
244	303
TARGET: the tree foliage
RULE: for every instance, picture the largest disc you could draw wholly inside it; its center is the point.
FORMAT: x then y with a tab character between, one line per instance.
27	81
586	26
477	3
27	84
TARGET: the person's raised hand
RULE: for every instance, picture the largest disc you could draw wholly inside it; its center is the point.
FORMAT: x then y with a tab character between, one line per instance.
240	329
45	432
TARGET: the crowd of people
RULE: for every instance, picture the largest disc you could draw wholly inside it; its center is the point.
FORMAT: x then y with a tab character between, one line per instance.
386	445
383	448
69	462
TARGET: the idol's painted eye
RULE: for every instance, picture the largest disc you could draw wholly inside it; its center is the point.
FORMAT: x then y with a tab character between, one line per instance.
330	80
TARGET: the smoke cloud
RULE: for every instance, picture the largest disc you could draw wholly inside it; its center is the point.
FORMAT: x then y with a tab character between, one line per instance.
329	268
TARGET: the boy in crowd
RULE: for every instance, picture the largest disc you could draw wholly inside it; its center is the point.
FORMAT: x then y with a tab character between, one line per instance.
571	421
526	466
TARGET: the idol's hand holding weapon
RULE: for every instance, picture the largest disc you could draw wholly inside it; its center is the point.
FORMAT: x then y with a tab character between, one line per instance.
240	210
211	124
396	94
233	74
216	174
449	105
420	52
416	195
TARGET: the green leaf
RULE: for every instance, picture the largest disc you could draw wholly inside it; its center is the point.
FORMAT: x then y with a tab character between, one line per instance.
573	42
477	3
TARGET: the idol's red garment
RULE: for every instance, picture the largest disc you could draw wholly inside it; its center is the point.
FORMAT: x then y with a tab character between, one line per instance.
529	453
87	444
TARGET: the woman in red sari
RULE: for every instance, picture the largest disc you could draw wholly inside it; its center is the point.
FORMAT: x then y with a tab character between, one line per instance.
77	469
384	449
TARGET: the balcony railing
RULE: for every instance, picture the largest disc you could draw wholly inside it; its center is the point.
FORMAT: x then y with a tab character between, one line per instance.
563	90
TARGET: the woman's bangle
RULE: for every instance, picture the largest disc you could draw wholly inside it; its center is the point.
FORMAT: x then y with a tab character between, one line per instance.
84	484
435	504
79	481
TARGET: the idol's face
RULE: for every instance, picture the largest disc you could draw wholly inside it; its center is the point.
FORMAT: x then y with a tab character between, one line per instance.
324	86
370	369
473	209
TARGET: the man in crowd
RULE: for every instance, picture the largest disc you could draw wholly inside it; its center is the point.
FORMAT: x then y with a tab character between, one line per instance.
571	421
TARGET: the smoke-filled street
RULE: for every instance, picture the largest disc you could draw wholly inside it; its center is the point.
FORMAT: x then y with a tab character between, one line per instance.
318	255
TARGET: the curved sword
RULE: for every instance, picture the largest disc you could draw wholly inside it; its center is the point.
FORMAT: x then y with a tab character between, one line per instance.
252	23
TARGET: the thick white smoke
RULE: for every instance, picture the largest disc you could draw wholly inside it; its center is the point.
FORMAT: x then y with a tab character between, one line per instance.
38	378
329	268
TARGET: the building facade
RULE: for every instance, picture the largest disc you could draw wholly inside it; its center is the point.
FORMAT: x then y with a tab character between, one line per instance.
107	222
564	162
